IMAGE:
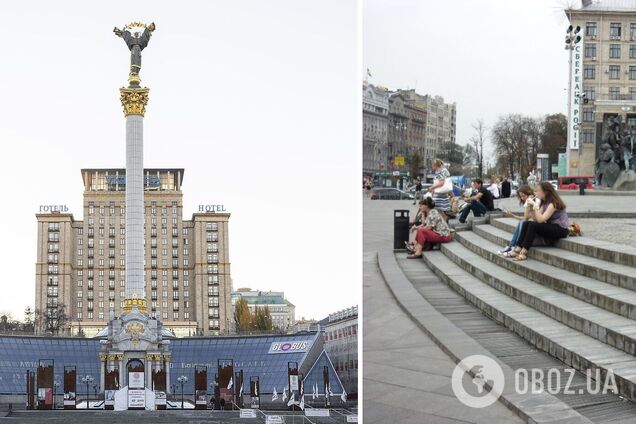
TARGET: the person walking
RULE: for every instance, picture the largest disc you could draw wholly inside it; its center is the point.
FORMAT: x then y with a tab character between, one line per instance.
418	191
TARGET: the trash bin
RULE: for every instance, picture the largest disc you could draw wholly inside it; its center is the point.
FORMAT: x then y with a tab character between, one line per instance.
582	188
400	228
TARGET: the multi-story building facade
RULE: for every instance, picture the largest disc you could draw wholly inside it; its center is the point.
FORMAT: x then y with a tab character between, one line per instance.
419	124
341	344
282	311
398	124
609	74
375	111
81	264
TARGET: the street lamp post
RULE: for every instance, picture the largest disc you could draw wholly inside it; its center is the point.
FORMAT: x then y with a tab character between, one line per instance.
88	380
182	380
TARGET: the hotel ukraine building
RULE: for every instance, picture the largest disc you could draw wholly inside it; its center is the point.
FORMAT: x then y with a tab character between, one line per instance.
81	264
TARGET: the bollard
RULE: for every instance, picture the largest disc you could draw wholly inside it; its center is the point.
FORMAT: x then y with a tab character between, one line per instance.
400	228
582	188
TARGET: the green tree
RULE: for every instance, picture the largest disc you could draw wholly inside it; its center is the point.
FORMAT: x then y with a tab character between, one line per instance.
242	316
28	319
262	319
414	162
453	154
554	135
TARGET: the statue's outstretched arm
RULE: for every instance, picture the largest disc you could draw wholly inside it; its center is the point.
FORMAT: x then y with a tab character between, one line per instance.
118	32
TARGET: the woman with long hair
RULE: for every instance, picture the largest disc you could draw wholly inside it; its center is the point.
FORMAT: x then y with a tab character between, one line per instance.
434	229
523	194
550	220
442	200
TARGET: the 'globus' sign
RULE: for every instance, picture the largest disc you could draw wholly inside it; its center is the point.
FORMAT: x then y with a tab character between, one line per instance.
290	347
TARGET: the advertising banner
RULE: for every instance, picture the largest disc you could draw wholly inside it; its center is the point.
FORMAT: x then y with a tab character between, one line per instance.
317	412
576	89
289	347
136	380
136	398
201	398
109	397
293	382
247	413
160	397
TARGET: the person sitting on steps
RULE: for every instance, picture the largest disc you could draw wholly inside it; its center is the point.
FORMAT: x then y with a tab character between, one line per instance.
550	221
417	221
479	204
523	193
433	231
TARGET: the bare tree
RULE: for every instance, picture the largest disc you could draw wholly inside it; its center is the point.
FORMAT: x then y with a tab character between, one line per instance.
517	141
478	140
52	319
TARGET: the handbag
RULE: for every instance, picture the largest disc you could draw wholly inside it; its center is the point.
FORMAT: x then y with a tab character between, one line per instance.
446	188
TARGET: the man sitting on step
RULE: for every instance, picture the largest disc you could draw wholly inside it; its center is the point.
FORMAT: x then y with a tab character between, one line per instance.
480	203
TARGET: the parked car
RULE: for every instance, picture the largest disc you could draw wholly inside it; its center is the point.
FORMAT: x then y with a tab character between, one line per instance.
425	186
555	184
388	193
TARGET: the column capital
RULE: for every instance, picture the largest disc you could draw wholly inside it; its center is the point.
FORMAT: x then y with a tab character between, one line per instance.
134	100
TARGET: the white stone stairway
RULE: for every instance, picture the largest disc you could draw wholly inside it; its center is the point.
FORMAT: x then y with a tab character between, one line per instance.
575	301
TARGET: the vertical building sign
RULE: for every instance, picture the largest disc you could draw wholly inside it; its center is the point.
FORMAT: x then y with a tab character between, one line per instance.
576	87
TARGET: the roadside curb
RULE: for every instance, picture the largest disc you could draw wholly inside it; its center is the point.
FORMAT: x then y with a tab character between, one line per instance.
533	408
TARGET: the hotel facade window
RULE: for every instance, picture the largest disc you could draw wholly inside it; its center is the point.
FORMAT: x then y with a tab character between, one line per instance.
615	51
614	72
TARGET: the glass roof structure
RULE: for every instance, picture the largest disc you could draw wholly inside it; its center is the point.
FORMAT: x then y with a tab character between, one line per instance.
255	355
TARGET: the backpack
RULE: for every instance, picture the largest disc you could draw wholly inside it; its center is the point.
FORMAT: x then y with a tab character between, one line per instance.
574	229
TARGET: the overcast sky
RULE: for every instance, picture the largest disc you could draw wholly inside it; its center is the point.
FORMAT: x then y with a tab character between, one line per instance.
490	57
257	100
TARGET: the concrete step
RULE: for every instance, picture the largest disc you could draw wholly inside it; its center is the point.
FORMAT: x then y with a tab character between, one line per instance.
611	252
613	299
598	269
570	346
607	327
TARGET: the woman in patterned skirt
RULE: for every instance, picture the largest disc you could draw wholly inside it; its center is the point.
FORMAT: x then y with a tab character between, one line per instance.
433	231
442	200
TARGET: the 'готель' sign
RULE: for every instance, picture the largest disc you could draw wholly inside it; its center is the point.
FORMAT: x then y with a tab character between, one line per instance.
290	347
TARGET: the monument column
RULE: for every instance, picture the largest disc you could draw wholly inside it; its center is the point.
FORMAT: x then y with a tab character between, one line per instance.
148	368
166	364
102	373
134	100
120	359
